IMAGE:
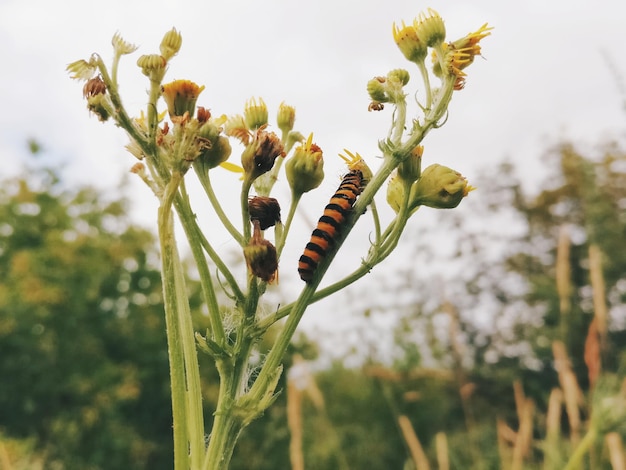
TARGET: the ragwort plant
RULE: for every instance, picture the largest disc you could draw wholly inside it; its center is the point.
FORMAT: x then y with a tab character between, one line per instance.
193	138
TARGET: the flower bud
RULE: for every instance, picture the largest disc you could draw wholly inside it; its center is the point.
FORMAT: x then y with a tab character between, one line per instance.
395	192
170	44
264	210
286	117
101	106
181	96
261	257
214	153
439	187
409	44
430	29
258	157
305	169
153	66
377	90
255	114
410	169
400	76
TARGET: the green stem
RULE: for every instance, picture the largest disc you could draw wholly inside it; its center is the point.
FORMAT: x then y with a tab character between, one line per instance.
174	340
217	327
280	243
185	377
582	448
205	181
426	80
226	425
273	359
245	213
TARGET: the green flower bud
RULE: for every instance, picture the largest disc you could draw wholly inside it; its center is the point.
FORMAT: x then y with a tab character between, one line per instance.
377	90
215	152
255	114
430	29
181	96
395	192
439	187
400	76
153	66
286	117
305	169
411	168
170	44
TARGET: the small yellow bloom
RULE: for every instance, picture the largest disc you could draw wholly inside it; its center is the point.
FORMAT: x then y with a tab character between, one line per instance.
356	162
430	28
409	44
81	69
255	113
170	44
235	126
181	96
120	46
286	117
153	66
459	54
305	169
439	187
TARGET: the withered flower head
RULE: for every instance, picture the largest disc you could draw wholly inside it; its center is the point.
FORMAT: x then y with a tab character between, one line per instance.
264	210
261	257
259	156
94	86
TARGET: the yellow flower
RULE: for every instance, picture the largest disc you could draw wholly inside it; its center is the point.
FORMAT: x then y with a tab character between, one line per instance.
170	44
120	46
286	117
305	170
439	187
430	28
409	44
255	113
235	126
181	96
459	54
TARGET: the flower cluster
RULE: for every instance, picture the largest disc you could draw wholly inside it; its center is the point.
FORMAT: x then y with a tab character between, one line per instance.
174	134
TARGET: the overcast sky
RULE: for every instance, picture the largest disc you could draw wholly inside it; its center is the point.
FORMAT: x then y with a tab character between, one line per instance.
552	70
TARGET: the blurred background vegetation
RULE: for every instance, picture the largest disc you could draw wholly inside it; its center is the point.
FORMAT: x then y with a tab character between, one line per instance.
83	360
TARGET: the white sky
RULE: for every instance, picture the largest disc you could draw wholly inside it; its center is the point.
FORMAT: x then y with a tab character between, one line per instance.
544	78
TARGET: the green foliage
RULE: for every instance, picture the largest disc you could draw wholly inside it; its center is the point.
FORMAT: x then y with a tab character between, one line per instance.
82	343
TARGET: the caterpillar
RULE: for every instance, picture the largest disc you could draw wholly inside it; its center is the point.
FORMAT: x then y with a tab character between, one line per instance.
331	222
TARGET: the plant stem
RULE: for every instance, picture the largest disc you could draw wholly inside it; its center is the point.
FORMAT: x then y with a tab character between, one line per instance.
582	448
185	377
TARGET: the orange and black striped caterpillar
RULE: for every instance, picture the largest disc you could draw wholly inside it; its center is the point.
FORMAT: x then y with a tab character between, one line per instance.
330	223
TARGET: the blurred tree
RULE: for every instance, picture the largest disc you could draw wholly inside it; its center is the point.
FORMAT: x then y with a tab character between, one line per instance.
83	356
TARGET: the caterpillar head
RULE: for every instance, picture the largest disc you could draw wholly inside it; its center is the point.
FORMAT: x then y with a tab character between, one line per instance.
356	163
